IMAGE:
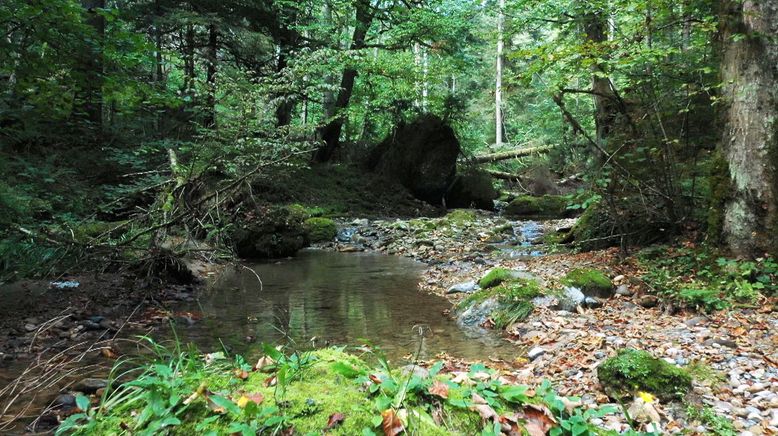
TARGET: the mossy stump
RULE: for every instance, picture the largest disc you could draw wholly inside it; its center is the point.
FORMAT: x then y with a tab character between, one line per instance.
631	371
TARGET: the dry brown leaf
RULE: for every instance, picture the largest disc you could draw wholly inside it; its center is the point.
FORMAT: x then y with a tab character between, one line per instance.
539	420
439	388
392	424
334	420
485	411
263	363
270	381
109	353
241	374
375	379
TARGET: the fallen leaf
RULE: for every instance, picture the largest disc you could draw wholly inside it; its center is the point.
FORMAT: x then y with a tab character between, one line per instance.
263	363
256	398
539	420
109	353
375	379
334	420
270	381
440	389
391	424
485	411
241	374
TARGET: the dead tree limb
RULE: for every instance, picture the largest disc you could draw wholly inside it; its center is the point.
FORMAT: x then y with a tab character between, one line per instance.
511	154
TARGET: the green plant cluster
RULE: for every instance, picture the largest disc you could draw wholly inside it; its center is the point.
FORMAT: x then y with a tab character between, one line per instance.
700	279
513	296
328	390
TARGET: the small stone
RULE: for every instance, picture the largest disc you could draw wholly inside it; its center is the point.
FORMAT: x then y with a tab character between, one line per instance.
619	278
30	327
720	342
65	401
624	290
693	322
756	387
416	370
535	353
648	301
466	288
592	302
753	416
90	385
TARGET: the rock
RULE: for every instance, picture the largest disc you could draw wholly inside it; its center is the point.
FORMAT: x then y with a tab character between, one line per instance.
693	322
633	370
477	313
721	342
570	299
421	155
466	288
547	206
272	233
535	353
416	370
648	301
624	290
592	302
64	401
361	222
90	385
30	327
319	229
473	188
591	282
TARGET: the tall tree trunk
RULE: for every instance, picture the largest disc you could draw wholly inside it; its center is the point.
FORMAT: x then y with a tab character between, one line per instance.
330	133
189	59
210	75
498	81
92	64
605	103
750	138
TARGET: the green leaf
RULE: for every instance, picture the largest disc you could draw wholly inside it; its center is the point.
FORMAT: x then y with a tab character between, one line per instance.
82	402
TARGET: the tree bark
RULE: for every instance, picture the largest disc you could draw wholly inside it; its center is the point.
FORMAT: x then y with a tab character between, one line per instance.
92	64
330	133
210	75
512	154
750	138
605	102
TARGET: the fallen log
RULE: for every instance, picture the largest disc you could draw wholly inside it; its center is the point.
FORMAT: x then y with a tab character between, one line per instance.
511	154
504	175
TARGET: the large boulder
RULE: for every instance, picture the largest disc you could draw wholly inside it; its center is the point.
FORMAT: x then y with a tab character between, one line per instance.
270	233
472	188
421	155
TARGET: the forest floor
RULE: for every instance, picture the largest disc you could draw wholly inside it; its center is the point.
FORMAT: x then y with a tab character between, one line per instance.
732	354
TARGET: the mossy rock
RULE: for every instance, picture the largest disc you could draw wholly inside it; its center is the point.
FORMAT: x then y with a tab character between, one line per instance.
505	304
270	233
495	277
320	229
548	206
633	370
472	188
591	282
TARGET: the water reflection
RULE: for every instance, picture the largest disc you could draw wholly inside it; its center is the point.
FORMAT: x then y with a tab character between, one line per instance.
324	298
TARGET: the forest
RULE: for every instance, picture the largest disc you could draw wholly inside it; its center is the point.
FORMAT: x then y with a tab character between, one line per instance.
385	217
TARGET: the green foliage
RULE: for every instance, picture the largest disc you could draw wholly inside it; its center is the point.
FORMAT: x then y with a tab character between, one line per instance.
320	229
713	422
699	278
632	370
183	392
513	296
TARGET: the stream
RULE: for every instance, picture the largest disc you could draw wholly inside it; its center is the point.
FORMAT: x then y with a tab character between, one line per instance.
323	298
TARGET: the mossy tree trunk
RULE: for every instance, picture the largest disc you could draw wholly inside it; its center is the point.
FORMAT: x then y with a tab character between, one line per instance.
750	138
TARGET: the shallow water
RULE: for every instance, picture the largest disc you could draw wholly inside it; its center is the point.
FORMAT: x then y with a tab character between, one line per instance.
320	298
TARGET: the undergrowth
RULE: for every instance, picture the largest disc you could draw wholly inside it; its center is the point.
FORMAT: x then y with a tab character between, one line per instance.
699	278
327	390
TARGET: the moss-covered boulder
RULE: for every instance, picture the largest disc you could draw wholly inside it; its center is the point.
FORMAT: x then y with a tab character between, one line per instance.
547	206
472	188
495	277
270	233
504	304
459	218
591	282
632	370
320	229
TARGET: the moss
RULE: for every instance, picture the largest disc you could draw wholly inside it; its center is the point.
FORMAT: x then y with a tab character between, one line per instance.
545	206
590	281
495	277
92	229
320	229
459	217
632	370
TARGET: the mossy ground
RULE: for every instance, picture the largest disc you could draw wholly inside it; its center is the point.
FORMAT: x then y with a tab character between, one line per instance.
632	370
495	277
185	395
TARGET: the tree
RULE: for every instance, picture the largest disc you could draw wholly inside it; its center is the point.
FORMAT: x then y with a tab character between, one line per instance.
750	138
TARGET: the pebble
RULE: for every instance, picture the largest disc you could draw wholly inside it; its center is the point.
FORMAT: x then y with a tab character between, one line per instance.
535	353
30	327
648	301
